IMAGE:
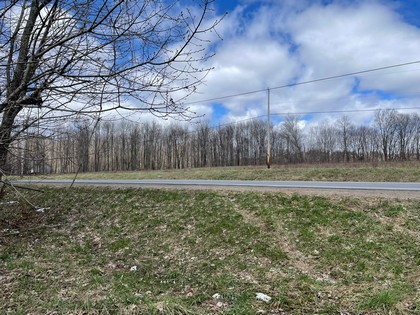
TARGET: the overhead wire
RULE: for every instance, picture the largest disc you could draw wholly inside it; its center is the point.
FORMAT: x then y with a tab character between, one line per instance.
344	111
302	83
297	84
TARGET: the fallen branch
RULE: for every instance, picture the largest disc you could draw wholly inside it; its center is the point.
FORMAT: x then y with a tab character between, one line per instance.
20	187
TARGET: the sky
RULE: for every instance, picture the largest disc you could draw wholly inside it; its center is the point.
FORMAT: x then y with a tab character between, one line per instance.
274	44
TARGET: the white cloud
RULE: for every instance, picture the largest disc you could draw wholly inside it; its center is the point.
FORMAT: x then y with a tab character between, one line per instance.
281	42
287	41
337	39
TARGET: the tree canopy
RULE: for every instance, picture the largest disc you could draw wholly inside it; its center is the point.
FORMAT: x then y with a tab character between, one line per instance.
61	58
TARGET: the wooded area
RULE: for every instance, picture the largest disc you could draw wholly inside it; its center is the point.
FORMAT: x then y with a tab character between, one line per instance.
62	60
92	146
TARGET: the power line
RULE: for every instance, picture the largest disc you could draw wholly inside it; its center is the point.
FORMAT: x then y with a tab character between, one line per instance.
303	82
297	84
344	111
310	113
346	75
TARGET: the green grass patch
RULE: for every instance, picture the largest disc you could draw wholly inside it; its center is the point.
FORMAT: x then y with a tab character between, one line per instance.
141	251
358	172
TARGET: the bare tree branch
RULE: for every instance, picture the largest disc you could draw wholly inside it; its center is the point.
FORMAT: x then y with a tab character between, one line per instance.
71	58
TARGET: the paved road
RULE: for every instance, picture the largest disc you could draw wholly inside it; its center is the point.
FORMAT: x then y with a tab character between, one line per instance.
237	183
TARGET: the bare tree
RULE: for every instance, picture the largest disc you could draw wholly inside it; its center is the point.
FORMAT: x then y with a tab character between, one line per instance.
258	132
226	155
345	129
406	128
242	144
324	140
292	133
365	143
75	57
176	140
202	145
82	148
385	123
416	140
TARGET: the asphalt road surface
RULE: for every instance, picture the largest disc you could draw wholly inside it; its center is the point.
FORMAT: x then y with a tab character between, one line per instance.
382	186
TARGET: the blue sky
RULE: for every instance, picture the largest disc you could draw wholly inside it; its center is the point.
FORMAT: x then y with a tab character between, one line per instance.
271	43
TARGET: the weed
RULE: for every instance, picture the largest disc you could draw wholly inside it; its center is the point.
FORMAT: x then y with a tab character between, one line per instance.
140	251
386	172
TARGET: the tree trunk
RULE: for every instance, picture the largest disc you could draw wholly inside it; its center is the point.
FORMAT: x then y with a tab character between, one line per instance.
6	127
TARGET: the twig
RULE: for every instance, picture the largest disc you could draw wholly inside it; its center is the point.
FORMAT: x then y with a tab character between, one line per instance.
24	198
15	226
21	187
9	234
89	140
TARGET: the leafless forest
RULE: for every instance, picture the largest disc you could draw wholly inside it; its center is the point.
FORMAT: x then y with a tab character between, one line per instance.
64	63
67	60
89	146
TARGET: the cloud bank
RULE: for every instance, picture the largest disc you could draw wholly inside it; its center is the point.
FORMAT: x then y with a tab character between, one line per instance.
268	44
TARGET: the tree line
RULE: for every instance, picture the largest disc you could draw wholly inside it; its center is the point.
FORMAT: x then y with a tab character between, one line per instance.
95	146
66	59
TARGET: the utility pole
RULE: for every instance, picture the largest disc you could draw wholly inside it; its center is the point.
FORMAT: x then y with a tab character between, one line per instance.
268	128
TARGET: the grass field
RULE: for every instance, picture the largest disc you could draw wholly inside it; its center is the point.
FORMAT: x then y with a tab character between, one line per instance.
140	251
383	172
